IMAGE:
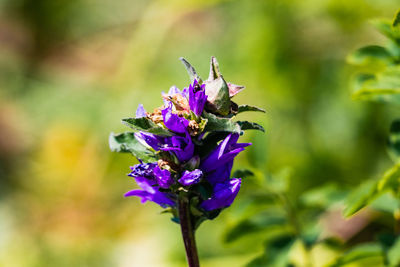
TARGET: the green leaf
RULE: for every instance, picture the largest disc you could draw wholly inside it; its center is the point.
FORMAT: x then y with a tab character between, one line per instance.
253	225
276	253
384	86
219	124
396	20
323	196
246	125
394	141
359	253
370	55
146	125
244	108
191	71
390	180
361	197
385	27
218	100
126	142
394	254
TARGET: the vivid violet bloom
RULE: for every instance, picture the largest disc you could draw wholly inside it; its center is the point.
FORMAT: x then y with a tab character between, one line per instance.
174	122
183	147
221	174
145	170
150	193
224	194
189	178
152	140
226	151
197	97
163	177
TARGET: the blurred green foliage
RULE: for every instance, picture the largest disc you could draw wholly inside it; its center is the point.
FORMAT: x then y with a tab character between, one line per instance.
70	69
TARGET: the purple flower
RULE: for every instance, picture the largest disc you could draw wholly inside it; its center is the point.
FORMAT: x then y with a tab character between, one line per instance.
183	147
191	177
174	122
140	112
163	177
223	196
150	193
225	152
145	170
197	97
152	140
221	174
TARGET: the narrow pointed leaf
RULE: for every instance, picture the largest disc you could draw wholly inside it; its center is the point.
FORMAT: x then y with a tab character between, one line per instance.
246	125
361	197
191	71
244	108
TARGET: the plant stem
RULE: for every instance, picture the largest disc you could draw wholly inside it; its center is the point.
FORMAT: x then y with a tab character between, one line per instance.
188	232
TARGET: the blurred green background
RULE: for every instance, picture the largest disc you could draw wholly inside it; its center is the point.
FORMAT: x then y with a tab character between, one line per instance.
70	70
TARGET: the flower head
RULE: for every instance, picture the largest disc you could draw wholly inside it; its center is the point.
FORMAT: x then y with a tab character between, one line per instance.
187	147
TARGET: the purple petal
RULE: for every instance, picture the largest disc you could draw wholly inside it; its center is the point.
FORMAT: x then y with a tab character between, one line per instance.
226	151
158	197
197	98
183	147
174	122
221	174
189	178
154	141
140	112
224	195
150	193
143	170
163	177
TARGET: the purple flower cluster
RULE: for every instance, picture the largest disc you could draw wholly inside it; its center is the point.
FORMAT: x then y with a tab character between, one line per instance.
159	180
186	147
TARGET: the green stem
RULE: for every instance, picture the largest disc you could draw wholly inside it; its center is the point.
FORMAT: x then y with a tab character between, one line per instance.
188	232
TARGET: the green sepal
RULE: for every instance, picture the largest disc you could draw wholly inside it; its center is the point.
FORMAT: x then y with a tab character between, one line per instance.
214	69
146	125
127	142
191	71
218	100
247	125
